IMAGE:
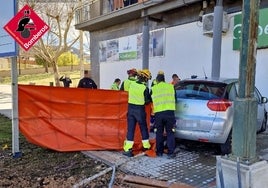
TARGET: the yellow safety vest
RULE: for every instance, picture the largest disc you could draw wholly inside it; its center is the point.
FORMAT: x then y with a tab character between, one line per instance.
163	96
136	94
128	82
114	86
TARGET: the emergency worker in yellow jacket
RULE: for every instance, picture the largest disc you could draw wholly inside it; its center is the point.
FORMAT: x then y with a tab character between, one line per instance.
132	77
152	119
138	97
163	97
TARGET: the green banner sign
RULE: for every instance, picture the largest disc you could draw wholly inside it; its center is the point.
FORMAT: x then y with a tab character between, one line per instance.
128	55
262	30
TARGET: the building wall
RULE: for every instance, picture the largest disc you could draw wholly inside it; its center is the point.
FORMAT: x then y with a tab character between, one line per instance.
111	33
187	51
99	72
192	55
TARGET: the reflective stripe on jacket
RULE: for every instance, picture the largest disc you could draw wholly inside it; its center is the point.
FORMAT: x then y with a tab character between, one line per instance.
136	93
163	96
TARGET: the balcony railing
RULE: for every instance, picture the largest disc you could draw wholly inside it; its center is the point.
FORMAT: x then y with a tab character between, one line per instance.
95	8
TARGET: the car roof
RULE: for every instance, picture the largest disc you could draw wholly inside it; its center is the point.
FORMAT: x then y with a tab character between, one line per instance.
209	79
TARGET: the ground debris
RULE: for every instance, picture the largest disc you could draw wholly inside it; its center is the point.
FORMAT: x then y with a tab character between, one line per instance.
40	167
144	182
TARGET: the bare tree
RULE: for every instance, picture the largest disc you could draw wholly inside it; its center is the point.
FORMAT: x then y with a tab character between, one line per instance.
61	36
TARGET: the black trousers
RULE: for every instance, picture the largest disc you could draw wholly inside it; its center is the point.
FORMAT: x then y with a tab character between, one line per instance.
136	114
165	121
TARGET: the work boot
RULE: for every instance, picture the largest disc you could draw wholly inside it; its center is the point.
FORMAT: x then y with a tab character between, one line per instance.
171	156
128	153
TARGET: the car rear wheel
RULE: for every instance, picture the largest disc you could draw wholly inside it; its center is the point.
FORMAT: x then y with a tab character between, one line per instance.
226	148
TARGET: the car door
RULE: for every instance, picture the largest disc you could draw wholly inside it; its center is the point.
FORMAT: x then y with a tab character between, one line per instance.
261	109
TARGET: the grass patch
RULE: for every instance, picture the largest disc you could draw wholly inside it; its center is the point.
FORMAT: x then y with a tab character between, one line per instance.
29	78
5	80
43	79
5	129
46	78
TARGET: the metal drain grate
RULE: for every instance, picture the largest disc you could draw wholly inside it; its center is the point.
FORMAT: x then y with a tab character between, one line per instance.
186	167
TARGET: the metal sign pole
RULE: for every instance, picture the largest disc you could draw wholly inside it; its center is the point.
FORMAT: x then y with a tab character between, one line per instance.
8	48
15	123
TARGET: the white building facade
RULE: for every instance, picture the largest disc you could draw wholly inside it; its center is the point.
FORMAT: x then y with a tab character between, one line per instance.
180	48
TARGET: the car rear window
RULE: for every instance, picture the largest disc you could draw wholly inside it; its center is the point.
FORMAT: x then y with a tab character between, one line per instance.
201	90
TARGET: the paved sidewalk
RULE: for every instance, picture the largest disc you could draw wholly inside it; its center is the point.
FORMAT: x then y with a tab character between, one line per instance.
6	100
185	168
193	168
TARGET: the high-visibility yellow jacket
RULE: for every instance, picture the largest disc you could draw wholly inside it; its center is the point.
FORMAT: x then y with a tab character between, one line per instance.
114	86
163	96
136	93
125	85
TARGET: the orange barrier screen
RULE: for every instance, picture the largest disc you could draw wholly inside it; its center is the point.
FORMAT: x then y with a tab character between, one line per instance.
74	119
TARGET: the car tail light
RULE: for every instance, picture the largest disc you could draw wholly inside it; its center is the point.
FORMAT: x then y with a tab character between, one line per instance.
219	104
202	140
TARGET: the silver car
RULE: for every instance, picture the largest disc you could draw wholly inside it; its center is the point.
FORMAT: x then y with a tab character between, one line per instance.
205	110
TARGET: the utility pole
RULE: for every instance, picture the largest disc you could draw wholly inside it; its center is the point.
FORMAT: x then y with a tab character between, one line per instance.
242	168
245	115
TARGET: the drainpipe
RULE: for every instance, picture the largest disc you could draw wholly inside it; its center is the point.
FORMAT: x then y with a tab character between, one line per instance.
217	35
145	42
245	105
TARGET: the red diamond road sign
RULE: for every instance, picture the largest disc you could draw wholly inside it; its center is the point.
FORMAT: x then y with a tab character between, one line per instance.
26	27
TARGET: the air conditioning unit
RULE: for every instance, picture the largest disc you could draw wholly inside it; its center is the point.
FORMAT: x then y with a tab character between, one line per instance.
207	20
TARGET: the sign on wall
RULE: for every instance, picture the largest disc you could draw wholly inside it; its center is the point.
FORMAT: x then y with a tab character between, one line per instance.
130	47
26	27
262	30
7	43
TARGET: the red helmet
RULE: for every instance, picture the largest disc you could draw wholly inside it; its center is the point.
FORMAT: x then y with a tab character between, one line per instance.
132	71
